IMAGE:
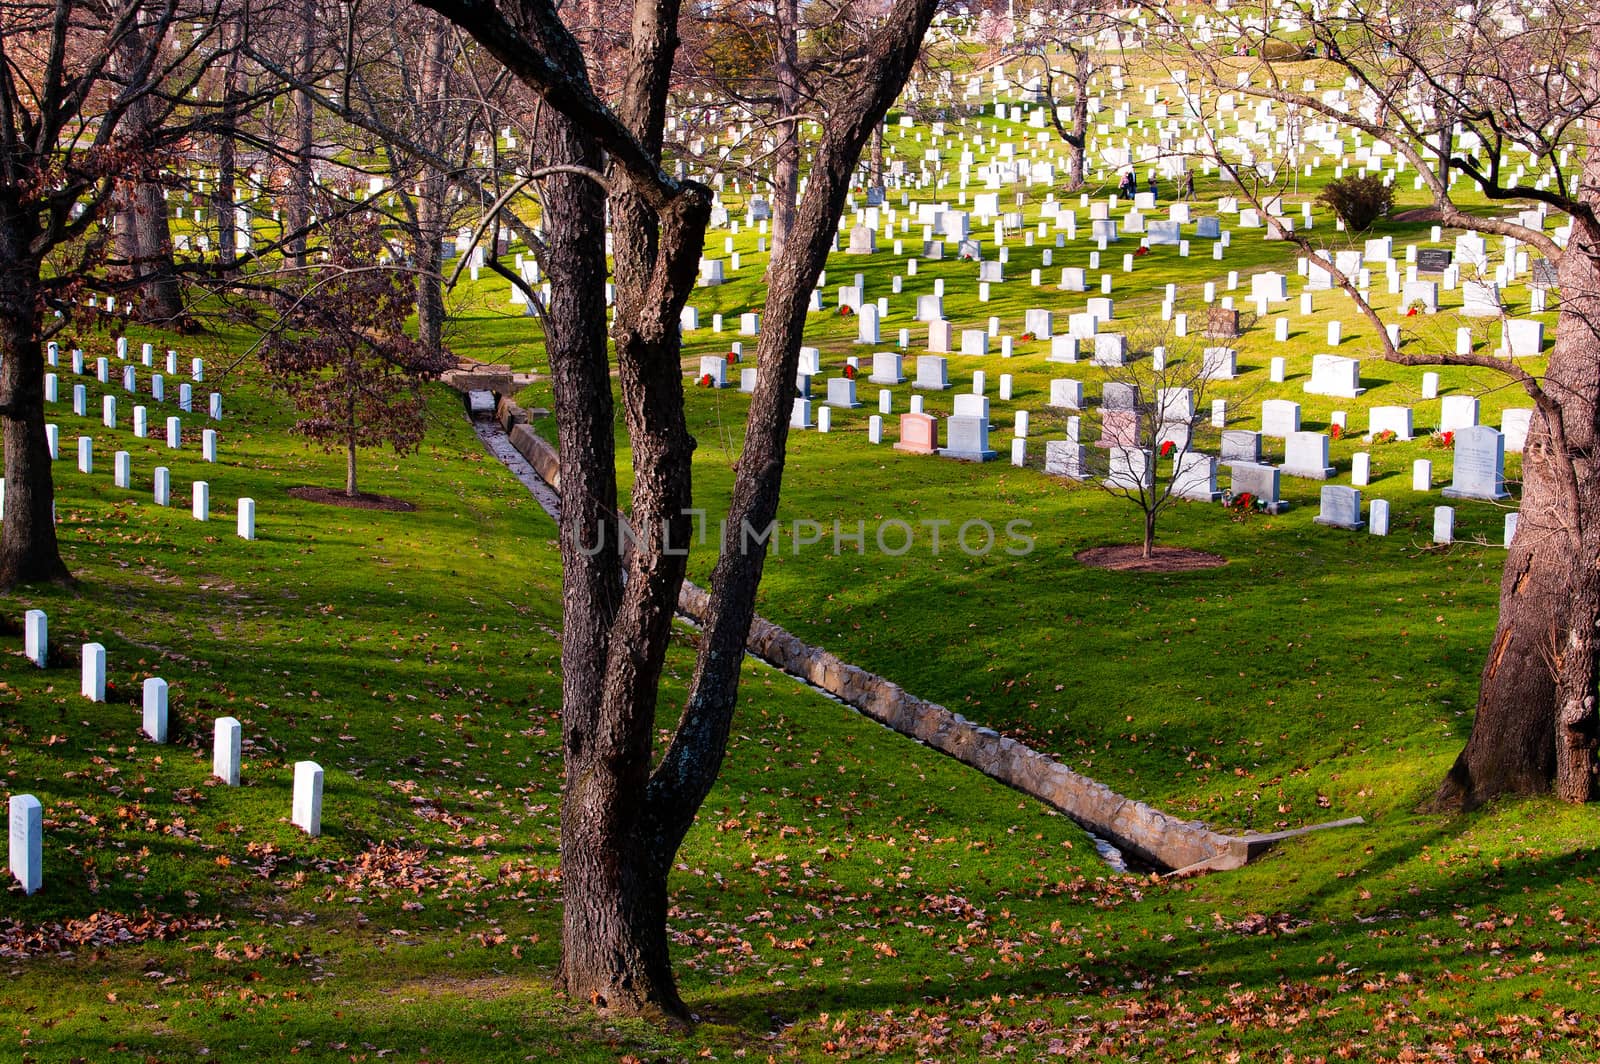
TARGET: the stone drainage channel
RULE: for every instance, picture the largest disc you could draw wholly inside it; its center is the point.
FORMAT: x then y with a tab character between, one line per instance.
1124	831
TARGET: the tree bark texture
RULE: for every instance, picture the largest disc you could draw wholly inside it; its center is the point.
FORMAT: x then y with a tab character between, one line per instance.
1536	694
297	205
29	552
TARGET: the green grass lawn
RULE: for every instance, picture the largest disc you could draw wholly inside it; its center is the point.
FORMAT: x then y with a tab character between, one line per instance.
846	892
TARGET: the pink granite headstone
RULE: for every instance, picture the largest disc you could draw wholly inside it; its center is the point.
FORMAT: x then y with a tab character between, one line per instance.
919	434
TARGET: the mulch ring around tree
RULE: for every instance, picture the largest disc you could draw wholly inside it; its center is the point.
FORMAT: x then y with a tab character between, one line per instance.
360	501
1124	558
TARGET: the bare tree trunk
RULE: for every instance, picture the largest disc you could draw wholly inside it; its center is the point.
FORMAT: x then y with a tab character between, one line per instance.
350	467
1080	121
786	153
614	949
144	239
431	208
1148	549
1074	136
160	294
29	552
1547	589
297	212
1575	697
222	204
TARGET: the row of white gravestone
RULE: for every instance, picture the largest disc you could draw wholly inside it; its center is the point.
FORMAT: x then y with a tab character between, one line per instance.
26	813
1340	507
26	835
80	400
52	434
197	366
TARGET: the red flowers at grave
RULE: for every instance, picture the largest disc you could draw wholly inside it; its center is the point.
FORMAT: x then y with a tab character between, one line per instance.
1243	503
1027	338
732	357
1412	312
1167	447
849	373
1336	431
845	312
1141	252
705	380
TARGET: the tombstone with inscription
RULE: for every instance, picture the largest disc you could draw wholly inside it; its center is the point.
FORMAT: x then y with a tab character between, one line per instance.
1457	412
1066	394
1521	337
1280	418
1066	458
1306	456
1478	471
1515	422
1239	445
967	435
1110	349
1194	477
1395	419
1433	260
1335	375
932	373
1128	469
1260	482
1480	300
1341	508
1218	364
887	368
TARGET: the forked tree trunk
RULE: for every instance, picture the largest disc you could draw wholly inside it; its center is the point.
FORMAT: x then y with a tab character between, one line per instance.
614	950
1547	590
29	552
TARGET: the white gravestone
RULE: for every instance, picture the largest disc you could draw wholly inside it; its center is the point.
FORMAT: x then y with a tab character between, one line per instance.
1478	468
1341	508
1378	517
1306	456
1457	412
36	637
1444	524
1280	418
93	686
27	841
155	709
225	748
307	807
